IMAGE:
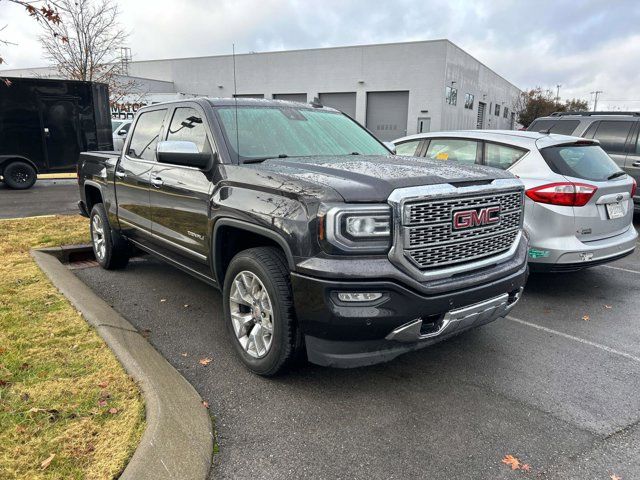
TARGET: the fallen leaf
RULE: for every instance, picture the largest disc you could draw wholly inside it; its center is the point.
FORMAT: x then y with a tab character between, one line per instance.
608	307
113	411
512	461
526	467
102	403
205	361
613	476
184	354
103	384
163	300
48	461
205	404
586	318
186	305
145	333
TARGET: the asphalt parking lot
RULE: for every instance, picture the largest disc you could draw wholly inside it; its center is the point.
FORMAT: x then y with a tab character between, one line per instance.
556	385
46	197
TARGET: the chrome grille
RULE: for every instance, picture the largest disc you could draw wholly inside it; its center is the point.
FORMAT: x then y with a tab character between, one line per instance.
429	240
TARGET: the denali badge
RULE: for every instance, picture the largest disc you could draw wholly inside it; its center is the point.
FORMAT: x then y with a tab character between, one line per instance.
476	217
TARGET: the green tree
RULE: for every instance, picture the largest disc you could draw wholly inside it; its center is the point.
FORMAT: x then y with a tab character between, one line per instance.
537	102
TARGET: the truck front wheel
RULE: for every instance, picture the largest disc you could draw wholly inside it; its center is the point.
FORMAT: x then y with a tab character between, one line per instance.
259	312
110	249
19	175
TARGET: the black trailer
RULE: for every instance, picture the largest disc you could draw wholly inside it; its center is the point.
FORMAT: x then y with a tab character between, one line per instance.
46	123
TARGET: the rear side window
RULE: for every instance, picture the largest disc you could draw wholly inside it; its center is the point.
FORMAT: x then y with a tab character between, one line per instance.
561	127
588	162
501	156
407	148
187	126
145	135
457	150
613	135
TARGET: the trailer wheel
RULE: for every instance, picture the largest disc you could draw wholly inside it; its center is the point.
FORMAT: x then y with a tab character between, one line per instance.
19	175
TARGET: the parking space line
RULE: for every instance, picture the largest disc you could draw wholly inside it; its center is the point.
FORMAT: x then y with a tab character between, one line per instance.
620	268
626	355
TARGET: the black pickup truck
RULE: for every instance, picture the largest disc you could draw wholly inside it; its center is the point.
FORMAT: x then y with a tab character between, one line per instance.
321	240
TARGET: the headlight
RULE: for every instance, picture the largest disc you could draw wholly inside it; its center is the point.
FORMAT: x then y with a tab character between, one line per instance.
361	228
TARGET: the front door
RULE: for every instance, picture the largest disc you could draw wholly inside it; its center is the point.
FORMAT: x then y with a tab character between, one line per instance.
133	174
632	162
61	131
424	124
480	120
179	195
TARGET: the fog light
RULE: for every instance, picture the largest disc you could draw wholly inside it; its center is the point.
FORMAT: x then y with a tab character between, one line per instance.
359	296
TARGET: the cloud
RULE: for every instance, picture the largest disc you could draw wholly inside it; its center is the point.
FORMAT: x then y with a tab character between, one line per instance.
583	46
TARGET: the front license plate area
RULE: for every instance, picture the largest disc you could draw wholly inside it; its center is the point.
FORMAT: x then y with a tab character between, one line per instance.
614	210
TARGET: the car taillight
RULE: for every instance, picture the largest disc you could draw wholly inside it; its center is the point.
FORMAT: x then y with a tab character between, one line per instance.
634	188
567	194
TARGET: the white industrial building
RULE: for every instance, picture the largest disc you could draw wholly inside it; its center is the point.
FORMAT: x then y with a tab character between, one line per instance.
394	89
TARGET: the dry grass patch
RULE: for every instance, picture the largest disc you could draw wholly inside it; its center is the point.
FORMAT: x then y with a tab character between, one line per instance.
62	391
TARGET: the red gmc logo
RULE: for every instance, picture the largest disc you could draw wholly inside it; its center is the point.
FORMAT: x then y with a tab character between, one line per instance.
476	218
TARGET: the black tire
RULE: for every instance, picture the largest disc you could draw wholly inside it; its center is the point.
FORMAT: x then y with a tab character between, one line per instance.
19	175
269	265
112	251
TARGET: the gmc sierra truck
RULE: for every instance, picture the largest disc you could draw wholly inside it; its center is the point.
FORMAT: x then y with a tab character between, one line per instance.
321	240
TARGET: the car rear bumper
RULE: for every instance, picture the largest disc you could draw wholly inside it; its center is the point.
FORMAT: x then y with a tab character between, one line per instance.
351	335
579	254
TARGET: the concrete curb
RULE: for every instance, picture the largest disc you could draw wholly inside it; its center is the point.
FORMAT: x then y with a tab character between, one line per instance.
178	440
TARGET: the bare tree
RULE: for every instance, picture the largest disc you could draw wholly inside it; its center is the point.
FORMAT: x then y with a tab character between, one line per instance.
90	50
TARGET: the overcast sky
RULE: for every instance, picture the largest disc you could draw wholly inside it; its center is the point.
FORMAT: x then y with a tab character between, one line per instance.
582	45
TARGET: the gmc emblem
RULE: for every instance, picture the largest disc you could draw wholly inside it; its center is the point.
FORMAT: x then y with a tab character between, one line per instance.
476	218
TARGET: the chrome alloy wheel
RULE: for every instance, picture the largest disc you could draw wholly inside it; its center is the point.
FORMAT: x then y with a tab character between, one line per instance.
251	314
97	235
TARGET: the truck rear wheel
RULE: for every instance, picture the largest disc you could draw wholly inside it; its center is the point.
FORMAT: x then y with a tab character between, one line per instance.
110	249
259	312
19	175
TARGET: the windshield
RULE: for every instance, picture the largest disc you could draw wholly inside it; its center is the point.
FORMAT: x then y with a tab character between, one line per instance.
588	162
270	132
115	124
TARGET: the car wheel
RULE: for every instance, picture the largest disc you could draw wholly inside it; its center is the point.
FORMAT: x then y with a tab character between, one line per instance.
259	312
110	249
19	175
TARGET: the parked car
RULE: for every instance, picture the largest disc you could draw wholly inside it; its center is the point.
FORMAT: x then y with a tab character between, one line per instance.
578	207
120	129
319	238
618	133
45	124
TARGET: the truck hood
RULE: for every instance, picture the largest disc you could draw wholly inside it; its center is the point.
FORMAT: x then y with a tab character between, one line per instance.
364	178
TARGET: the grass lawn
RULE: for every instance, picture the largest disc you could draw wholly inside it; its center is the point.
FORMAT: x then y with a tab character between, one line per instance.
67	407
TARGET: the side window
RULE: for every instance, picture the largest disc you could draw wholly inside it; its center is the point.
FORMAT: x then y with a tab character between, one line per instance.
187	126
501	156
591	130
613	135
637	143
457	150
407	148
145	135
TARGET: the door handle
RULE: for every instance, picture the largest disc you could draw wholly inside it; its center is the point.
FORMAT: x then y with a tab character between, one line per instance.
157	182
121	173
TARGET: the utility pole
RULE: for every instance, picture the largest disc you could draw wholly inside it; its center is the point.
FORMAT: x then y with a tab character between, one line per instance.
595	101
558	95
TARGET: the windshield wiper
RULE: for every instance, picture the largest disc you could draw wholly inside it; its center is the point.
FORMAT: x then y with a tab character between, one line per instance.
354	153
616	175
262	159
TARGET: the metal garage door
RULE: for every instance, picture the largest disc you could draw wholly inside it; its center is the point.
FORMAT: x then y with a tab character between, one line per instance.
387	114
345	102
292	97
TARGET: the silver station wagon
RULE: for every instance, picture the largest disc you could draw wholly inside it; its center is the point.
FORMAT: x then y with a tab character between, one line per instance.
578	204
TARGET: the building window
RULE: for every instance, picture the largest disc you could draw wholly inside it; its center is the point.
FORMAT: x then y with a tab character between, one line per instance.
497	111
506	112
451	95
468	101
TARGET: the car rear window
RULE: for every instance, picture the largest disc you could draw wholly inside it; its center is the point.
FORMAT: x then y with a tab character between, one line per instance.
562	127
588	162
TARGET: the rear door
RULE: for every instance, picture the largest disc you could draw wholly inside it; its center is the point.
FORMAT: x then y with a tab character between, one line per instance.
133	173
61	130
609	211
632	162
179	196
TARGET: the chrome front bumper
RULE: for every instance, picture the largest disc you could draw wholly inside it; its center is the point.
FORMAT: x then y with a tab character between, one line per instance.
459	319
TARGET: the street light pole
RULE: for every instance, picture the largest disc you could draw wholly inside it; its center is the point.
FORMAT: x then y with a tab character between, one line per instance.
595	100
558	95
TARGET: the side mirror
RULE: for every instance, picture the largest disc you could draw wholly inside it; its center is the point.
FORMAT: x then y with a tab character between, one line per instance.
122	132
390	146
182	153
